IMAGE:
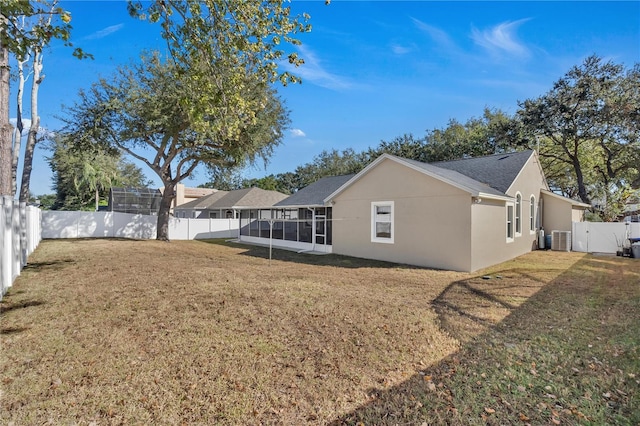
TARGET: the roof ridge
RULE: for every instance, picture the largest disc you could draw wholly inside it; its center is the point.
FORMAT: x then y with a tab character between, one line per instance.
481	156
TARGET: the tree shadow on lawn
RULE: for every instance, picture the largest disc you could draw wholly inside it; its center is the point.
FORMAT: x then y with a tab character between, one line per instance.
7	306
42	266
329	259
503	334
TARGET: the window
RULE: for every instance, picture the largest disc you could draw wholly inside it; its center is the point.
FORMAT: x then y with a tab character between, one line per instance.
510	209
518	214
213	215
382	222
532	214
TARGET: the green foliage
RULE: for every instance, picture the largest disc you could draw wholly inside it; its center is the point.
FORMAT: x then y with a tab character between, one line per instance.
45	201
80	174
226	49
19	40
146	111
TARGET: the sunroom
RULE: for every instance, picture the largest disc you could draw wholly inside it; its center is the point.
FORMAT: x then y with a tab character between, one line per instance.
301	222
302	229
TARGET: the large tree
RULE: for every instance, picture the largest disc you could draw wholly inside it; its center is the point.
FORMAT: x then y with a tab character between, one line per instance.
146	111
588	130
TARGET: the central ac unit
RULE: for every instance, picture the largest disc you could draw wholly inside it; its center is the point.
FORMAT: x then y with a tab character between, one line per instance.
561	240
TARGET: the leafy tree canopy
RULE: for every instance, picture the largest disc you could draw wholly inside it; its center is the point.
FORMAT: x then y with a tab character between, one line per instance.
144	110
587	128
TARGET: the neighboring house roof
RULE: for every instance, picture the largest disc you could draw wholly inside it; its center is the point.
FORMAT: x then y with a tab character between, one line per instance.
451	177
202	203
574	203
498	171
198	192
315	194
248	197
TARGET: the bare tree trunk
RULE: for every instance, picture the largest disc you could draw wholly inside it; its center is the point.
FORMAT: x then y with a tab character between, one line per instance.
32	138
97	197
17	133
168	195
5	126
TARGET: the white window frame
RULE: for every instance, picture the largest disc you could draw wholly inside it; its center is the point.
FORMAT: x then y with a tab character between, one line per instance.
375	218
510	221
532	214
518	215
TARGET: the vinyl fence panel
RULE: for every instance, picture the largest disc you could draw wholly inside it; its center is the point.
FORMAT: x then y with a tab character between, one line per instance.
63	224
601	237
19	237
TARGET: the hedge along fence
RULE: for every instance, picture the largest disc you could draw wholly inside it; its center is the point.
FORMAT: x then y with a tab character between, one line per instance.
64	224
20	234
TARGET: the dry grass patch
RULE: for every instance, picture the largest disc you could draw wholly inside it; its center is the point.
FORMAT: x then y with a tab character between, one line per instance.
145	332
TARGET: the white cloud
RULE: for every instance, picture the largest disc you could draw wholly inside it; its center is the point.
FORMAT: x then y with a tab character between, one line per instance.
313	71
297	133
439	36
501	39
104	32
400	50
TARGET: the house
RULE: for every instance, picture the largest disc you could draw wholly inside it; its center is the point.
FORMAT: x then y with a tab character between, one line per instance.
226	204
185	194
461	215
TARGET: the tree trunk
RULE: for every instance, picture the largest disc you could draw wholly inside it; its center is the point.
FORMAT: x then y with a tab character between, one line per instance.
17	134
5	126
582	190
33	129
168	195
97	198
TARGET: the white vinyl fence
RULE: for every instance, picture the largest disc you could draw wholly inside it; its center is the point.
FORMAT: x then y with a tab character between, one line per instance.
20	234
63	224
600	237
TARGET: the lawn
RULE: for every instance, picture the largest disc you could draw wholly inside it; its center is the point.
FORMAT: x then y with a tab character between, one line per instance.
108	332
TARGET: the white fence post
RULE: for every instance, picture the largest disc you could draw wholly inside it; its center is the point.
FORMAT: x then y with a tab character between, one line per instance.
6	261
22	226
15	233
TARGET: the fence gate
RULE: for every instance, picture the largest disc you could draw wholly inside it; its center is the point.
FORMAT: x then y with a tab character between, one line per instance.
600	237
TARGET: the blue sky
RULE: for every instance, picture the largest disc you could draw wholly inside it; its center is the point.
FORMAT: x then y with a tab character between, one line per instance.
374	69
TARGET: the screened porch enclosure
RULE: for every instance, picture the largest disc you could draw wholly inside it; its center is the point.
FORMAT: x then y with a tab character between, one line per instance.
301	228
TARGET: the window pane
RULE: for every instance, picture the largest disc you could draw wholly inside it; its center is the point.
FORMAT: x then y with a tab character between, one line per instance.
384	210
509	221
383	229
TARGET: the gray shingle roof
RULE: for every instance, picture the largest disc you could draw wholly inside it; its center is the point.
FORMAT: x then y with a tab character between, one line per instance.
461	179
314	194
497	171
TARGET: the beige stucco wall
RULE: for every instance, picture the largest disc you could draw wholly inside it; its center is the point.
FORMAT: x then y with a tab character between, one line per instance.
557	214
489	243
577	214
431	219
